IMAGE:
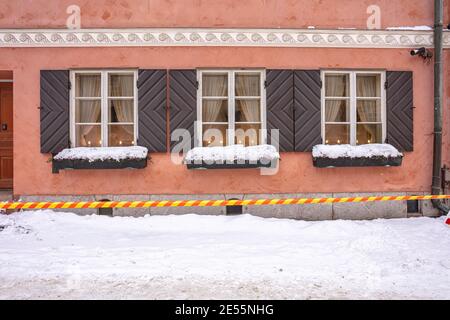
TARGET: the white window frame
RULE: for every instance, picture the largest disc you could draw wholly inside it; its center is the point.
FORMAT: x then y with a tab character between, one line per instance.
104	73
353	101
231	104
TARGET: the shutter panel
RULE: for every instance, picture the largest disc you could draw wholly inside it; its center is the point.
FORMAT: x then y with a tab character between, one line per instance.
399	109
280	107
152	101
307	93
54	110
183	101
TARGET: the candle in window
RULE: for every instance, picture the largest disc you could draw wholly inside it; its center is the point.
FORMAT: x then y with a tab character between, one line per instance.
89	143
326	141
100	141
339	141
120	142
368	141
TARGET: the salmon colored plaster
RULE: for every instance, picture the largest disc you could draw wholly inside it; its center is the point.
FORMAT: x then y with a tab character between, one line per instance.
216	13
32	171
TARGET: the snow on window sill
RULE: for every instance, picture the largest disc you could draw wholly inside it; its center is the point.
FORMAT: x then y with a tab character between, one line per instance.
101	158
232	157
369	155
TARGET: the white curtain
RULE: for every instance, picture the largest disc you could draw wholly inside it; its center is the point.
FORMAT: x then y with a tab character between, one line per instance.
123	108
367	87
214	86
90	112
247	86
335	87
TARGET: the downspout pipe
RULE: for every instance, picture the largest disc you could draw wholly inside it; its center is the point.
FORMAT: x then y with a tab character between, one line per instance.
438	92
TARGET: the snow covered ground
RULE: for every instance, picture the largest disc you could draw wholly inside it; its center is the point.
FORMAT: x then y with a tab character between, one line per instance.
60	255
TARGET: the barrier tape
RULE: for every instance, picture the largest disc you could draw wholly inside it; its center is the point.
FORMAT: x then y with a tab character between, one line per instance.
204	203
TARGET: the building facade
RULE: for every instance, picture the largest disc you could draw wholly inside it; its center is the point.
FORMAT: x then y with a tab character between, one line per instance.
136	71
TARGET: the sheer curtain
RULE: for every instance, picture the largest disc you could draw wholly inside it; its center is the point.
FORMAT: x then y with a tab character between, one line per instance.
123	108
247	86
213	86
90	112
335	88
366	87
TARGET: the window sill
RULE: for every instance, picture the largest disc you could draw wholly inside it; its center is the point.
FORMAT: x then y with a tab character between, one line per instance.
229	165
75	164
324	162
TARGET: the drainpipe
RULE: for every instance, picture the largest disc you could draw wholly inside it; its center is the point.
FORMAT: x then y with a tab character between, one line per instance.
438	85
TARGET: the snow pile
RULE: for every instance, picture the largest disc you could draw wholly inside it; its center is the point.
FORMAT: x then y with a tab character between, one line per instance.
413	28
362	151
63	256
103	153
236	153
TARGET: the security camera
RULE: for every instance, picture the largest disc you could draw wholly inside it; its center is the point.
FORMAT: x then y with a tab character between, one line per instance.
420	51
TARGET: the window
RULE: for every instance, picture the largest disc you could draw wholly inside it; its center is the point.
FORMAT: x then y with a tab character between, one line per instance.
103	108
353	107
231	107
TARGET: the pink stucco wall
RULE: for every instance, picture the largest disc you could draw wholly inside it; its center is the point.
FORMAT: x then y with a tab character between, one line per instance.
215	13
32	172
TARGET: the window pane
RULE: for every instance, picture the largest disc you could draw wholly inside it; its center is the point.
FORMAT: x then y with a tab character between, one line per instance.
215	85
87	111
368	111
337	134
121	111
121	85
88	136
215	135
248	85
337	85
247	110
87	85
215	111
121	135
337	111
368	133
247	134
368	85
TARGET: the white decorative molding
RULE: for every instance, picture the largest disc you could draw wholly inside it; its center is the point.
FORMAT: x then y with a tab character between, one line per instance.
341	38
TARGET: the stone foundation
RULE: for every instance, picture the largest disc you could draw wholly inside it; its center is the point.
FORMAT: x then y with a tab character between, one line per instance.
311	212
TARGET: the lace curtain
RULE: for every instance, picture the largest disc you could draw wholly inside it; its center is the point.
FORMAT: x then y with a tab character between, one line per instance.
248	86
367	87
123	87
214	86
90	110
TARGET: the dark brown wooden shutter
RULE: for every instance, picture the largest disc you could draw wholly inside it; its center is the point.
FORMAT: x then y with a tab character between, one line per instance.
307	92
183	101
399	107
54	113
280	107
152	102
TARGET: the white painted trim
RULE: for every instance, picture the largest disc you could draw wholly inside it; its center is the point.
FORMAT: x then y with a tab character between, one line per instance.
168	37
6	81
104	102
353	101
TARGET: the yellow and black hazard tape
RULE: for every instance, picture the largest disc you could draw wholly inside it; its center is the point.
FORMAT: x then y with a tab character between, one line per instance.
205	203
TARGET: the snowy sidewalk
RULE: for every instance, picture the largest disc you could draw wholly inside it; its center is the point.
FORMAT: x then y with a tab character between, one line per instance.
59	255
